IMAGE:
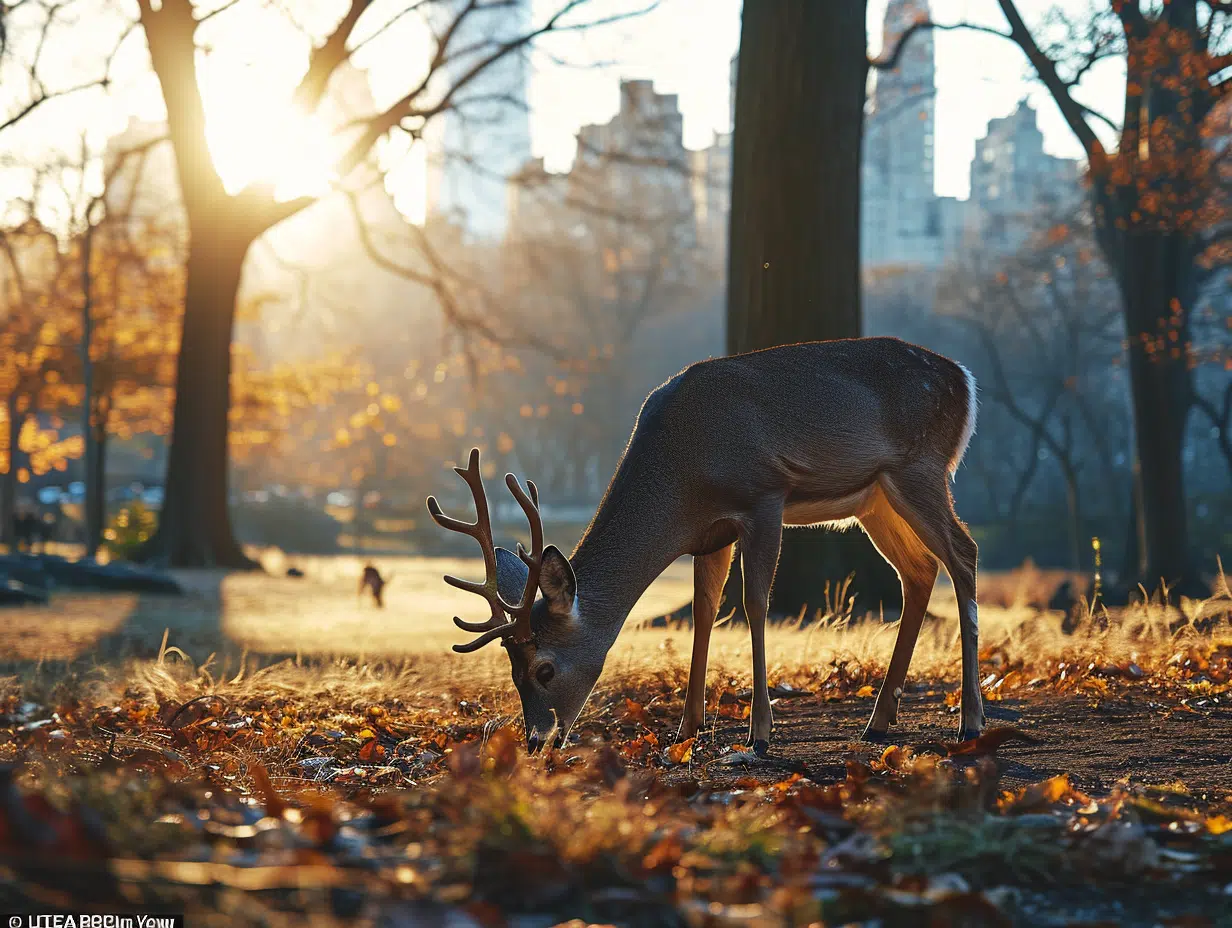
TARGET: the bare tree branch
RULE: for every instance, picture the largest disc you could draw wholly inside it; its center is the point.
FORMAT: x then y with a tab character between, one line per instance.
889	61
1220	418
206	17
326	58
1047	70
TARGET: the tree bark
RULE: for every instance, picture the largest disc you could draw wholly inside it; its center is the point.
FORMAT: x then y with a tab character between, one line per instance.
89	408
794	253
194	529
1152	271
1148	201
8	480
96	476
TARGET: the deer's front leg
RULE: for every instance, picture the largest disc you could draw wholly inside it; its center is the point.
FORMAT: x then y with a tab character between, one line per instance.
709	575
759	556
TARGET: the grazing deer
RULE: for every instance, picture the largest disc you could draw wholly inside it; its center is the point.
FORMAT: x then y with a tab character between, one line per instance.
372	580
865	431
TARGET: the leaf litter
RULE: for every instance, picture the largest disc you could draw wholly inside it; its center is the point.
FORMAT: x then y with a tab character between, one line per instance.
238	806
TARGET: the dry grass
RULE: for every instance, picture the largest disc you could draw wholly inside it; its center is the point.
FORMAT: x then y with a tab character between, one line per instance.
241	633
271	734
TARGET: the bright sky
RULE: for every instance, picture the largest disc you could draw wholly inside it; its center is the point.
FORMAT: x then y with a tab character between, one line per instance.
684	46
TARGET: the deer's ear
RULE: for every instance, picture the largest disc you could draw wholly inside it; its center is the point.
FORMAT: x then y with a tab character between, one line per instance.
556	580
510	575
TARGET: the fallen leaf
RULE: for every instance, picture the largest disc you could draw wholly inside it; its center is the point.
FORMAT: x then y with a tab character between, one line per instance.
1219	824
682	752
1036	796
989	742
635	712
274	804
865	690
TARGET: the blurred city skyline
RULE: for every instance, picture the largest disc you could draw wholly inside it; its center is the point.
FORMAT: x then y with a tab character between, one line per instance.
684	46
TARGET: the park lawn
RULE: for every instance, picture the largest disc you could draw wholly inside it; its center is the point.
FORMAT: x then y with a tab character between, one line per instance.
270	751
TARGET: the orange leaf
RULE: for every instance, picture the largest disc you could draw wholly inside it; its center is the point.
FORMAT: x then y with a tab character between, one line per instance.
372	752
681	753
1037	795
865	690
1219	824
896	758
988	742
635	712
274	804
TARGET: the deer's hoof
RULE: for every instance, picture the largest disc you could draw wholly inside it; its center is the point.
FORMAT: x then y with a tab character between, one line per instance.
875	735
968	734
761	747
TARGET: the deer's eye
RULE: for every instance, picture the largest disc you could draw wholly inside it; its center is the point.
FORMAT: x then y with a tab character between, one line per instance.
545	673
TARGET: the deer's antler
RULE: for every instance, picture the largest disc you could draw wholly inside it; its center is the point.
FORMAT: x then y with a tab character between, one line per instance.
509	620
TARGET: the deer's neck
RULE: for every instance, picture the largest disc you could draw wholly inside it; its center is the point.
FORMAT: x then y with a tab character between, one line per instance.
634	536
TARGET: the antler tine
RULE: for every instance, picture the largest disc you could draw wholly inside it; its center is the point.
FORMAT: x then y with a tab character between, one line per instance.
475	626
533	560
523	556
490	635
481	530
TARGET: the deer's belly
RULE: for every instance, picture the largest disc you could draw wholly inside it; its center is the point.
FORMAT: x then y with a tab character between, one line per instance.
835	512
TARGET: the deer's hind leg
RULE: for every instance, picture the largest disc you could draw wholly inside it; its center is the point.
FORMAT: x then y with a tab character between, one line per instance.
709	576
917	572
760	541
920	494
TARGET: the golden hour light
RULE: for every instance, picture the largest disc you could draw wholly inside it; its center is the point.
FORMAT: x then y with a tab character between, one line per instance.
257	139
432	434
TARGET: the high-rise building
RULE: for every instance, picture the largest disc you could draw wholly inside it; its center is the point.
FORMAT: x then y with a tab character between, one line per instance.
902	221
1013	179
712	193
638	158
483	139
632	171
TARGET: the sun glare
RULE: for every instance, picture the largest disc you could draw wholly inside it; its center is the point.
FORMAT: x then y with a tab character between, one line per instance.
259	138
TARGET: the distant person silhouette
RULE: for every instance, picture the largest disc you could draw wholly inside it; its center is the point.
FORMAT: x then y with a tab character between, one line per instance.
372	580
25	526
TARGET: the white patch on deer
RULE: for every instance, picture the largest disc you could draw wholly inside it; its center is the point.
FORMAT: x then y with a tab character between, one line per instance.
837	514
973	403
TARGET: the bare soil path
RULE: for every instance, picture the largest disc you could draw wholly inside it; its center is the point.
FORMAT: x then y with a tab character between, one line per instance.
1126	736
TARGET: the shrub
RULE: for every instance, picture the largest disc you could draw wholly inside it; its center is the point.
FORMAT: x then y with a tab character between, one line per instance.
132	526
291	525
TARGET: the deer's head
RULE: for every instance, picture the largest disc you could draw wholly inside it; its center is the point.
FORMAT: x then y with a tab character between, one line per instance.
533	598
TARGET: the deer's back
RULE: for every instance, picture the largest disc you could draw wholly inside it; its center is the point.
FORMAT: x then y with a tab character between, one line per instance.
817	419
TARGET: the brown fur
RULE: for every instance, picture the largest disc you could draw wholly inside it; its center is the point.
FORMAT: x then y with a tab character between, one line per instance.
732	449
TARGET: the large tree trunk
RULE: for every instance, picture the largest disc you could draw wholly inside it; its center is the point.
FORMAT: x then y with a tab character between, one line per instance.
8	480
794	258
96	476
1154	269
195	527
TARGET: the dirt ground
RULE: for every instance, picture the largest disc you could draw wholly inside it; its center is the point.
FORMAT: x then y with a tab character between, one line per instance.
299	669
1096	744
1097	741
